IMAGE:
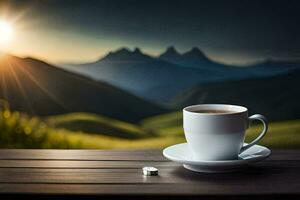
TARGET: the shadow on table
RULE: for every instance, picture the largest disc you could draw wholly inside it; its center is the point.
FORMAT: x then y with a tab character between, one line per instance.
247	174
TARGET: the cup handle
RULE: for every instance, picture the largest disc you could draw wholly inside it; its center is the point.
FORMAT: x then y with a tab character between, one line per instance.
264	120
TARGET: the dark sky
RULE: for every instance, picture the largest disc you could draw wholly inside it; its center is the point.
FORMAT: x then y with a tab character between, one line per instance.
229	31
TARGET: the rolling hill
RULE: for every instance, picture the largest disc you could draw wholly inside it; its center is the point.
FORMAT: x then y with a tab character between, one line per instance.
37	88
96	124
277	97
19	130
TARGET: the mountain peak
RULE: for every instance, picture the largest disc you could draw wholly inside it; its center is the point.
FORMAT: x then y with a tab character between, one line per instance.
196	50
122	50
195	53
170	54
171	50
125	55
137	50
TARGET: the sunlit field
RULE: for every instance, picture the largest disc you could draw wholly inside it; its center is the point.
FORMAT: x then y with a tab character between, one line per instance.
82	130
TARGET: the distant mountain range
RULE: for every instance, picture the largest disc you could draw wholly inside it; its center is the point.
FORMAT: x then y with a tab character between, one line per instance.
37	88
191	58
145	76
161	78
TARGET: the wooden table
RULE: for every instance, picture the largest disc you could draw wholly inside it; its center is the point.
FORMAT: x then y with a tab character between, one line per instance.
90	173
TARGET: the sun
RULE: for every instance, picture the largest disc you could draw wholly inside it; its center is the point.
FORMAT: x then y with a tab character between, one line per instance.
6	32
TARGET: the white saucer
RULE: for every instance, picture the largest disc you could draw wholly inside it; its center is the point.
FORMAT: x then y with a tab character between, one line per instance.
181	153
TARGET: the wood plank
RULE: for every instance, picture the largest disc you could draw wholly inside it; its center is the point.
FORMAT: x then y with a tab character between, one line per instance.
53	154
145	155
291	154
207	189
82	164
275	173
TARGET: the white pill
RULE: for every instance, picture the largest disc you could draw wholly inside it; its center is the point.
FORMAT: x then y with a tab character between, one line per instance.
150	171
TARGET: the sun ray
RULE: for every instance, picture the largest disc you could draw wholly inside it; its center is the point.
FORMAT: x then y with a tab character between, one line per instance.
23	92
44	89
3	86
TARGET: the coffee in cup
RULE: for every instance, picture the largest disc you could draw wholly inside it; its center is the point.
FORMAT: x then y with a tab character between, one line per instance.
217	131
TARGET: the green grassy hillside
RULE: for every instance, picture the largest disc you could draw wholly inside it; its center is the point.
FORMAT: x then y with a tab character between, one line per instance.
163	124
21	131
283	134
18	130
97	124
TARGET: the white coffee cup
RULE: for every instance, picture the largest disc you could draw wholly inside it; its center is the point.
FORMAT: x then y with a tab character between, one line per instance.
218	136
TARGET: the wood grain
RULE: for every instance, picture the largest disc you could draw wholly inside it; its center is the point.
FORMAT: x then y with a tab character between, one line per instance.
82	164
102	172
271	173
207	189
46	154
110	155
